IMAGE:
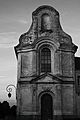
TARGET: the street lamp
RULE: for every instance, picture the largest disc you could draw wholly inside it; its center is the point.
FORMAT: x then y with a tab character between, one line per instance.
9	89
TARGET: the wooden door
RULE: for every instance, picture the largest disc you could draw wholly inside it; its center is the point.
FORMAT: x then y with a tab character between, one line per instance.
46	107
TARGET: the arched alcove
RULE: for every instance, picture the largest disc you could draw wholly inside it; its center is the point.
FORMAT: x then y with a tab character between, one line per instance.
45	22
46	107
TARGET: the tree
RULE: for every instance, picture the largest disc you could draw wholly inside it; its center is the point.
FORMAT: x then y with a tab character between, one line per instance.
5	108
13	110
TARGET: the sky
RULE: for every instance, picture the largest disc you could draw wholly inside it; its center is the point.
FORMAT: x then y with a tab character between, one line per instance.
15	19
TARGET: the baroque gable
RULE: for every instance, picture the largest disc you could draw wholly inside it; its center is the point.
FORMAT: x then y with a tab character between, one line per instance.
45	24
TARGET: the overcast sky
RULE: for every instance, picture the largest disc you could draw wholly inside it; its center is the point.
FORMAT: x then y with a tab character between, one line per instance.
15	19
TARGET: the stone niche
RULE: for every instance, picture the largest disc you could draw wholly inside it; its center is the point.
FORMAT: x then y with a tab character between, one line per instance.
45	22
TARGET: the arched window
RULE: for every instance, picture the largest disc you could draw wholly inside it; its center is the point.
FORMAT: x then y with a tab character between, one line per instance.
45	60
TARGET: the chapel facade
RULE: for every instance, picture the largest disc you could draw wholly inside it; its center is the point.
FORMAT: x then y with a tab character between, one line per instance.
46	68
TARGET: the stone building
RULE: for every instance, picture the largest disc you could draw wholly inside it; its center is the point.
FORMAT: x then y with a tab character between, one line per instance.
46	69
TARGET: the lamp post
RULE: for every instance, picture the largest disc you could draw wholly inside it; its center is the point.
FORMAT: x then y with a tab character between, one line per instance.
9	89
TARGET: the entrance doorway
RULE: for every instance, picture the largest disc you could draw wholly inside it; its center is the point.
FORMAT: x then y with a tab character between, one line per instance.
46	107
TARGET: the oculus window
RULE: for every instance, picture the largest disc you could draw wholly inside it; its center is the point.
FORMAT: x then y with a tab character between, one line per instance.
45	60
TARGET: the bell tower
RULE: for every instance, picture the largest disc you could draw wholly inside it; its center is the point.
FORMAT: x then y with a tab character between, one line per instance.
45	56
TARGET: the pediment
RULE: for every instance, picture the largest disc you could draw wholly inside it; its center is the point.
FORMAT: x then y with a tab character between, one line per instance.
47	78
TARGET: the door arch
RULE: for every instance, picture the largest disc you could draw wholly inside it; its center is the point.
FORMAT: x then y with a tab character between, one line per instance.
46	107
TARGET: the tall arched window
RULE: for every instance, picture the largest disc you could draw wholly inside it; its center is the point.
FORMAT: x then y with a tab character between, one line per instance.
45	60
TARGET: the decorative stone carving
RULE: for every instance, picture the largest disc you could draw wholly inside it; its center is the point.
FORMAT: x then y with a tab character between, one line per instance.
24	39
58	87
46	88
